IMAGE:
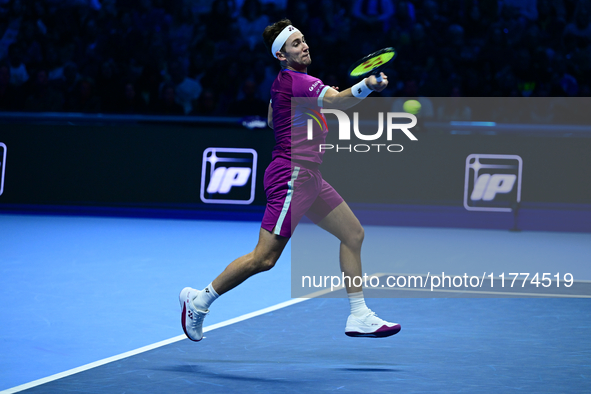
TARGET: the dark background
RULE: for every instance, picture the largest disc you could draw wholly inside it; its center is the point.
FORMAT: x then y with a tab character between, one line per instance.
207	57
173	78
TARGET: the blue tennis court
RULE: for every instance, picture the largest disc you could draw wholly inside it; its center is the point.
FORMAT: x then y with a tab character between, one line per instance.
77	293
451	345
139	155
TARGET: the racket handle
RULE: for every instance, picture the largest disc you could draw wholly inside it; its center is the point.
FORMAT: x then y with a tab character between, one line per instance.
379	77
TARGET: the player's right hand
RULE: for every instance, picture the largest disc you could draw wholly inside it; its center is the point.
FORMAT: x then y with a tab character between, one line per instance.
374	85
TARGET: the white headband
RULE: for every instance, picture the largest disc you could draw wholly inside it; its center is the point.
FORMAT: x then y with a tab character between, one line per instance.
281	38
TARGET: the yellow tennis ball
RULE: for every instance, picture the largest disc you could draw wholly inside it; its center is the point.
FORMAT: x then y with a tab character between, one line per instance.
411	106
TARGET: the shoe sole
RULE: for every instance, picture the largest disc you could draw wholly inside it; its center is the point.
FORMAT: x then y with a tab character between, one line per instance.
378	334
184	321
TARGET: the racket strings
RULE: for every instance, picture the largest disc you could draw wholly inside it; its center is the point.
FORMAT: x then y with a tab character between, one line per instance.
372	63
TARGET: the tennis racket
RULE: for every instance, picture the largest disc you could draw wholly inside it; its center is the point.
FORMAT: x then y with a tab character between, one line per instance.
372	64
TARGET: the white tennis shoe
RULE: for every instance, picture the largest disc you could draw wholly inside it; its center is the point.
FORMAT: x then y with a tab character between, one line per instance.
191	317
370	326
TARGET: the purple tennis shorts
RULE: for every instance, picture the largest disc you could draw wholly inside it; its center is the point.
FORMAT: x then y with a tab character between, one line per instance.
294	190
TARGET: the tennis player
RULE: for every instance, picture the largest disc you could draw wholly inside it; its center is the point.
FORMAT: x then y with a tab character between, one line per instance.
294	188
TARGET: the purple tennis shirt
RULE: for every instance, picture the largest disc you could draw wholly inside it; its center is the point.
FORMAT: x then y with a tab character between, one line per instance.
291	133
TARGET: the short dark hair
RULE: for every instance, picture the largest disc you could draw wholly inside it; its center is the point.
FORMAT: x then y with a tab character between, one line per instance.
271	33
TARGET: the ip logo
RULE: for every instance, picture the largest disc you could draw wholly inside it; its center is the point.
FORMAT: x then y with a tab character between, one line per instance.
493	182
228	176
2	166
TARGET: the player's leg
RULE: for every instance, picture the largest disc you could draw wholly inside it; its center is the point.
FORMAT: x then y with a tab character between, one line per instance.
281	183
262	258
343	224
195	303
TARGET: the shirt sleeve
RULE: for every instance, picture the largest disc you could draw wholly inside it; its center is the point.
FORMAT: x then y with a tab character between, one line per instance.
311	87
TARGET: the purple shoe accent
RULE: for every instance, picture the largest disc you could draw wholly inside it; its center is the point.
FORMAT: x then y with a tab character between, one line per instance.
184	321
382	332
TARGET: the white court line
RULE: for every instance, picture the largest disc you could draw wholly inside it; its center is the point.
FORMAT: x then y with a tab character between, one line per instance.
548	295
156	345
380	274
499	293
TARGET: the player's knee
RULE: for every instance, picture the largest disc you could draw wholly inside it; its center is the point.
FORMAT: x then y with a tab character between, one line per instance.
264	261
267	262
355	237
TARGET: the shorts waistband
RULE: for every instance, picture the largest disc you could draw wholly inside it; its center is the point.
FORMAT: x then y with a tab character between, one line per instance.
306	164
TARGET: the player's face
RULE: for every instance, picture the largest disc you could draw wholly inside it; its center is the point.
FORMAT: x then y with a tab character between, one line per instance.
297	52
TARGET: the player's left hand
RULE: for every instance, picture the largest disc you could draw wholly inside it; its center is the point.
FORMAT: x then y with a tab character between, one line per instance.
374	85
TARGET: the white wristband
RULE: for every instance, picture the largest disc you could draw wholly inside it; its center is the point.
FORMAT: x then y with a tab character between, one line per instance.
360	90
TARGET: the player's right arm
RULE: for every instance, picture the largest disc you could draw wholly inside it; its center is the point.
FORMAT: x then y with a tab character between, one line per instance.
270	116
346	99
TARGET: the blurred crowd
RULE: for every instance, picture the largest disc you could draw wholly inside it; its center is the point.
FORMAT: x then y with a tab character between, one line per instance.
207	57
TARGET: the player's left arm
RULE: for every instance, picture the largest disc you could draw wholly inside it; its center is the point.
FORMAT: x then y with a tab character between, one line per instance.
270	116
345	99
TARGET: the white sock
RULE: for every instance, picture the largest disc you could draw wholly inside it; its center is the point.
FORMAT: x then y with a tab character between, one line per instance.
358	307
205	298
